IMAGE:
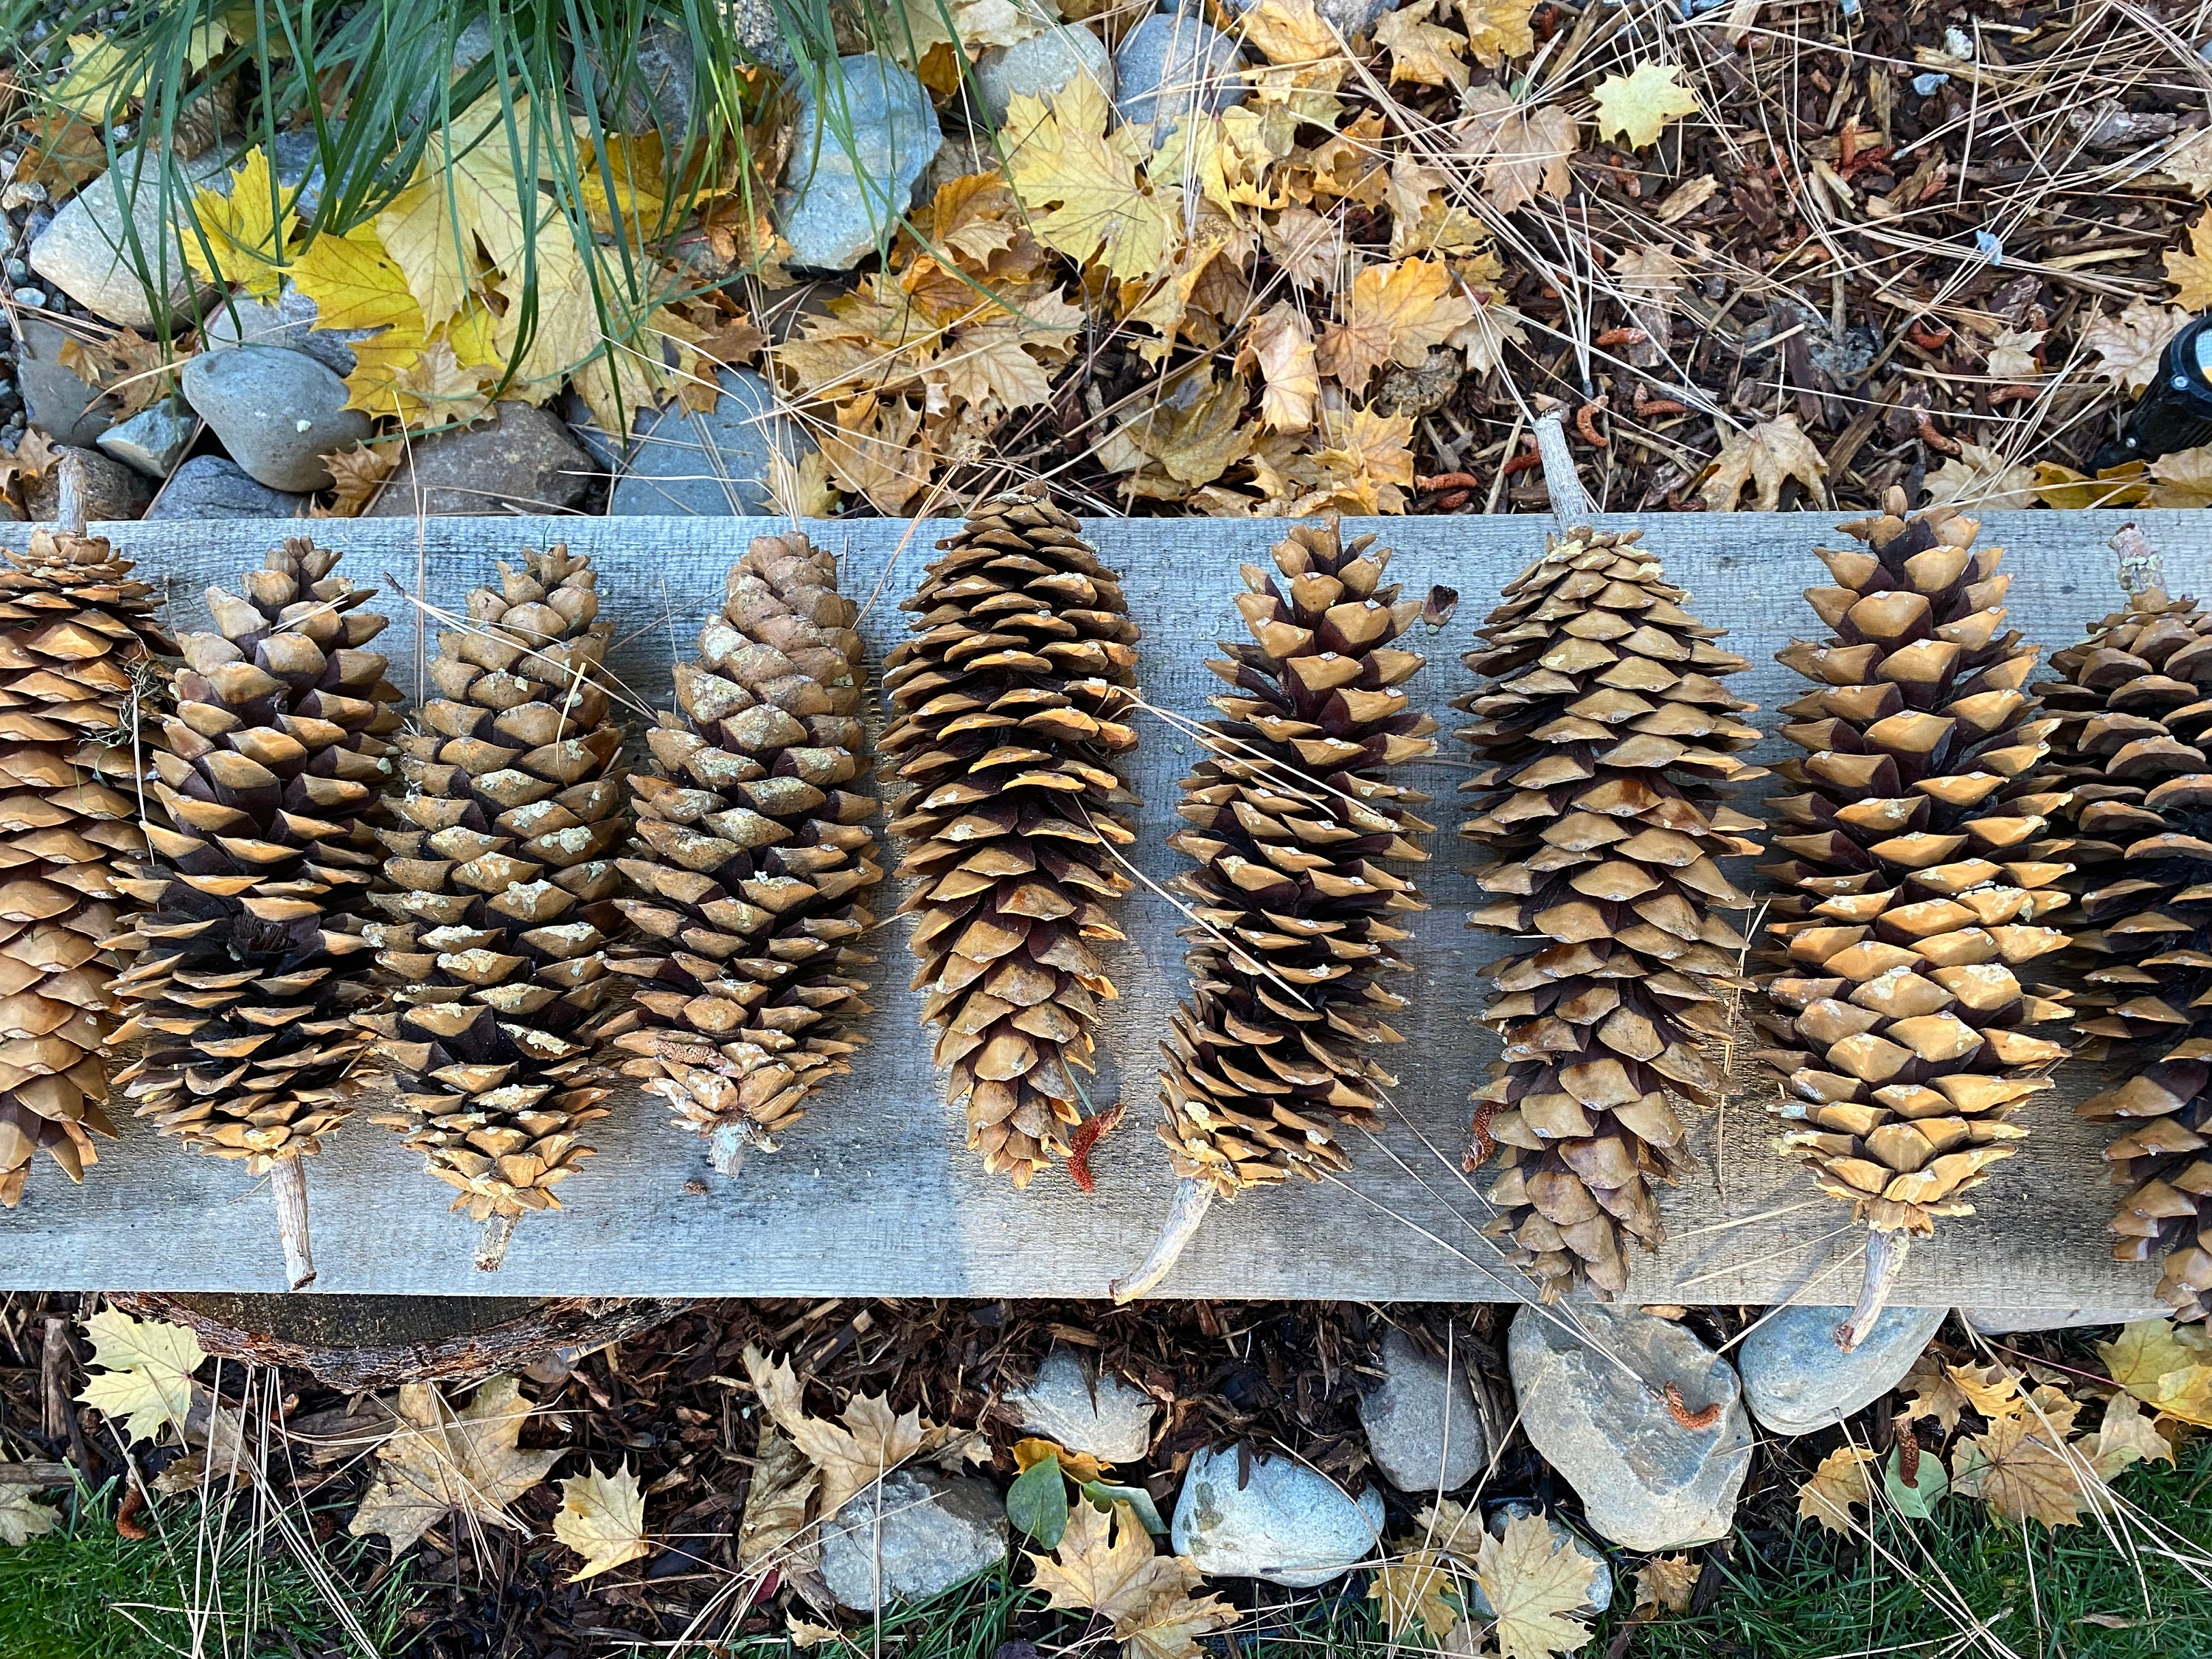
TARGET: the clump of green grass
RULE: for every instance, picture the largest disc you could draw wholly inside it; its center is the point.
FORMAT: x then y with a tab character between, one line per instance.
204	1583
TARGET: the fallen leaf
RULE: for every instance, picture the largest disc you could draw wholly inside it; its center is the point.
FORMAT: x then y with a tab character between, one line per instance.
1931	1393
1451	1527
2125	1437
2188	163
872	1442
736	345
1281	343
1983	479
146	1376
440	387
2131	343
1916	1499
804	1635
1535	1585
2182	479
1420	51
355	284
359	473
243	236
2019	1474
801	489
1410	1590
1640	104
438	1460
2124	485
99	80
871	451
1305	244
22	1517
1650	276
2191	273
1839	1482
2012	354
1497	29
1483	336
1991	1389
1394	313
1687	197
775	1516
1197	432
1081	190
1663	1583
602	1518
1078	1466
1770	453
133	370
2166	1366
1106	1564
1522	151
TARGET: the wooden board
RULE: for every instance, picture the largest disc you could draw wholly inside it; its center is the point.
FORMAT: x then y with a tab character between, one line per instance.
874	1192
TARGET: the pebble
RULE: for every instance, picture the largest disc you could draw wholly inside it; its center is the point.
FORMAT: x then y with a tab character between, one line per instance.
716	465
85	254
111	490
216	487
934	1530
1041	65
288	321
56	399
1795	1379
20	193
843	192
524	461
1288	1524
2012	1322
1647	1483
1347	17
1423	1426
30	299
1170	65
1109	1417
278	412
1597	1593
153	440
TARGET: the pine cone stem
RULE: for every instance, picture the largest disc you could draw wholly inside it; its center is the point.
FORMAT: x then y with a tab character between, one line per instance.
288	1184
1186	1211
1885	1261
491	1244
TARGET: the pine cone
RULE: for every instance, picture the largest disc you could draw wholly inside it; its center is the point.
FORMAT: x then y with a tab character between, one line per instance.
502	895
247	979
1294	921
1008	707
1601	733
1922	876
2134	719
754	851
76	635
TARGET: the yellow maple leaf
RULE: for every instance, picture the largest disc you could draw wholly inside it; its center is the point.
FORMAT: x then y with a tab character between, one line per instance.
1639	103
871	451
602	1518
1664	1583
1523	149
1420	51
1770	453
874	1440
2191	273
1931	1393
1839	1482
2020	1473
145	1378
1410	1590
625	180
2125	1437
1536	1586
551	328
438	385
242	236
1497	29
2183	479
801	489
1078	1466
439	1460
1195	432
2165	1365
1081	190
1991	1389
355	284
464	205
2124	485
1394	313
99	80
1105	1564
1281	343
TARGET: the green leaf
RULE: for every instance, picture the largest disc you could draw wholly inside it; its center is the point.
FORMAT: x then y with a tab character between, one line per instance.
1037	1503
1136	1497
1918	1502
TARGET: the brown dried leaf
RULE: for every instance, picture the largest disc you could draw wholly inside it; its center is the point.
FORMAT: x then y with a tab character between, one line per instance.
1536	1585
359	473
1770	453
1106	1564
1522	151
1839	1482
773	1531
872	1442
1981	479
1281	344
2125	1436
2191	273
2183	478
2131	343
872	451
439	1460
1931	1393
2017	1470
1497	29
1305	244
1420	51
1664	1583
1394	313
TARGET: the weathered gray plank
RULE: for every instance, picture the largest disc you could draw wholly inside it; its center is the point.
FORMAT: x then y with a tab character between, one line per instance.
874	1192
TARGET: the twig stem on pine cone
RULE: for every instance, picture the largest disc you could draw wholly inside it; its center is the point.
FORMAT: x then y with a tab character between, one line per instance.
287	1182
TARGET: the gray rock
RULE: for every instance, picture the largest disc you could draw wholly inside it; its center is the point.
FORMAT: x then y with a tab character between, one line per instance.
152	439
1795	1379
1107	1418
1422	1424
524	461
214	487
278	412
1597	1595
1041	65
926	1531
299	158
288	321
1170	65
87	252
56	399
111	490
716	465
1290	1524
1347	17
847	185
662	92
1646	1483
2011	1322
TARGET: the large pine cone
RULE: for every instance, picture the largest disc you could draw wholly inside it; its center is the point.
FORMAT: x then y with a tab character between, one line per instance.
753	850
500	885
1294	919
1009	706
1601	735
248	977
77	637
2134	707
1919	875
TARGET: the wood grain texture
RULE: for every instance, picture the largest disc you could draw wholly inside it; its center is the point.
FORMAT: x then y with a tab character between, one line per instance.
874	1192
